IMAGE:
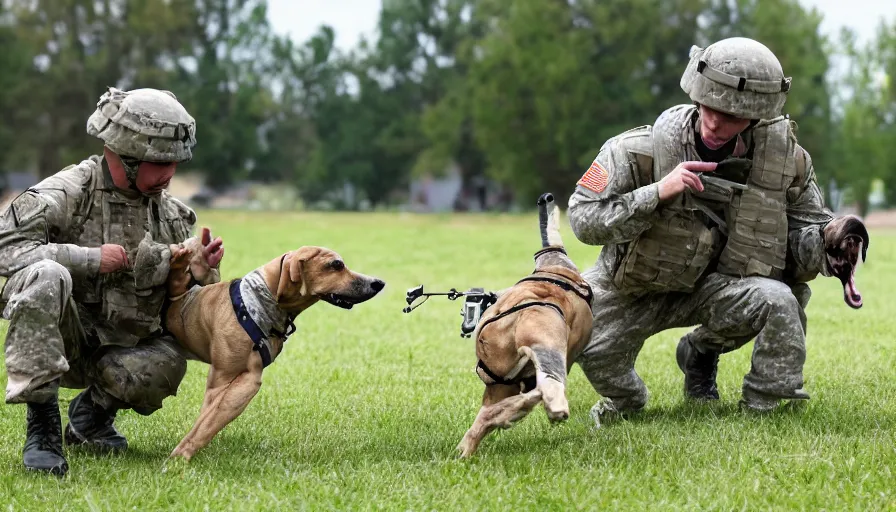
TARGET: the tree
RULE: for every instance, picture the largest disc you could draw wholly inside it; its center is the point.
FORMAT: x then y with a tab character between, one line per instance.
16	63
550	81
229	94
886	48
794	34
864	151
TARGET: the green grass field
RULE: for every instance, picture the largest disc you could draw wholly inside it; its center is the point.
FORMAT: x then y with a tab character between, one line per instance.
364	407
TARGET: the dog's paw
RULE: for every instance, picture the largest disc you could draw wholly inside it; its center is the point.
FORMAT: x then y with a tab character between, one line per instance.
558	416
175	463
179	454
180	258
465	449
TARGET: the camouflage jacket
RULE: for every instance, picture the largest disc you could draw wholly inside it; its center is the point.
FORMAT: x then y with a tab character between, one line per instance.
621	202
67	217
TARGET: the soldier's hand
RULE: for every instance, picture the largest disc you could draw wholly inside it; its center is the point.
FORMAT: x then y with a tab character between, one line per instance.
113	258
212	250
684	177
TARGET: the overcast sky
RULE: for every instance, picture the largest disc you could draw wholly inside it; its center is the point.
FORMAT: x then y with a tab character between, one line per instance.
352	18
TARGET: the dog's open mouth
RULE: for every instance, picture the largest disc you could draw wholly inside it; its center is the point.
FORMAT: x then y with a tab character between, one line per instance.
339	300
851	294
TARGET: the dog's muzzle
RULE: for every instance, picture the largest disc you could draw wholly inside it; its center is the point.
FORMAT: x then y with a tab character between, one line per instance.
345	301
340	301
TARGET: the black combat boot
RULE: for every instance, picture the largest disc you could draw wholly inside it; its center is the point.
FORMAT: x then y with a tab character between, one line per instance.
92	425
699	371
43	445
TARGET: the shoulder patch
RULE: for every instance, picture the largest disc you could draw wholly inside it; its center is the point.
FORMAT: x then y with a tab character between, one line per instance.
26	207
595	178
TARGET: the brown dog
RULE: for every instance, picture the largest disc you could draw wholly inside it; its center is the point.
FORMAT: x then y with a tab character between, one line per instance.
527	341
239	327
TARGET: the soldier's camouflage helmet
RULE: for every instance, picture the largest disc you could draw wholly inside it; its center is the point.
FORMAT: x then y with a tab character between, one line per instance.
738	76
147	125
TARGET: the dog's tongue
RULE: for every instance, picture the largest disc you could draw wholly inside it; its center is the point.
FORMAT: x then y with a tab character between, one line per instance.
851	294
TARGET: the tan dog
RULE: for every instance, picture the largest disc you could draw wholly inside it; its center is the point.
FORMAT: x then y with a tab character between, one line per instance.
527	341
204	321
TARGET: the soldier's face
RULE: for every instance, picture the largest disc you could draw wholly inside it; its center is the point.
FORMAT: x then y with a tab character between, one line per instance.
717	128
154	177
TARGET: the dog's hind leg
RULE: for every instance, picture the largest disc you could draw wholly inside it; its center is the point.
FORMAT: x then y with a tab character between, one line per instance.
223	403
501	414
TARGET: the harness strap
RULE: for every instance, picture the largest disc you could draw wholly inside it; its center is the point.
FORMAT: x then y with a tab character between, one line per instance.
255	333
518	307
586	296
550	249
528	382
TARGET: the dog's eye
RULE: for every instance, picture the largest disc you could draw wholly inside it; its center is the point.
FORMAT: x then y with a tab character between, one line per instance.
337	265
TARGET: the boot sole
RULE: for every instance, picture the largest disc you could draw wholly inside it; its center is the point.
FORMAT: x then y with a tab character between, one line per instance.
59	471
73	440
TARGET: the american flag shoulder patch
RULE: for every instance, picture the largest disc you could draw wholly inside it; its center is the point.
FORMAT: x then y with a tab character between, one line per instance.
595	178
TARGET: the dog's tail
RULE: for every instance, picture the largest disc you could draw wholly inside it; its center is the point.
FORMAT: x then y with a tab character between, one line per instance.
549	221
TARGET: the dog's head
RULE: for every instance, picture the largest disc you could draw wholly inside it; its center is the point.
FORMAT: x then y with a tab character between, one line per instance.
845	240
312	273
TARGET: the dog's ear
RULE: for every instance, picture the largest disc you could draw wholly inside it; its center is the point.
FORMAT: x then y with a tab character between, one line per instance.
297	272
292	271
284	279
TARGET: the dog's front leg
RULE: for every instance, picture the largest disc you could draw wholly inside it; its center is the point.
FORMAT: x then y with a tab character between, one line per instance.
223	404
502	414
550	378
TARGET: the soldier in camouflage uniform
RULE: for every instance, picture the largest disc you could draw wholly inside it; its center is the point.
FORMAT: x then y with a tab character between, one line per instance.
709	217
86	257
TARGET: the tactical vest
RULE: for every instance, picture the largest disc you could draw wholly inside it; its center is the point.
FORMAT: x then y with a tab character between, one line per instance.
678	248
127	304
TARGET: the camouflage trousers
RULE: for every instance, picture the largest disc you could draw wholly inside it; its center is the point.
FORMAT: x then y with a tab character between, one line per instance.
729	311
47	347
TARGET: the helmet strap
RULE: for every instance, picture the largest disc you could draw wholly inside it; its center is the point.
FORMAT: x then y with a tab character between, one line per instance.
131	166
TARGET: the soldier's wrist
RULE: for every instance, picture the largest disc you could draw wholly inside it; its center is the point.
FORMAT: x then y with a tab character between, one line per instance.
94	257
647	199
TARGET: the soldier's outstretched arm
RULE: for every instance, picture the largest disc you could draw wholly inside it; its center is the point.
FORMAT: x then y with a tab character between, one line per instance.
807	216
607	207
46	208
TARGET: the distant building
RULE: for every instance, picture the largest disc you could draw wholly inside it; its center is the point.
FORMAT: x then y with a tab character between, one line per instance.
450	192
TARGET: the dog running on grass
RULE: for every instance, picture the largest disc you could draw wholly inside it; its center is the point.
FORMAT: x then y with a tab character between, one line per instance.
527	341
239	327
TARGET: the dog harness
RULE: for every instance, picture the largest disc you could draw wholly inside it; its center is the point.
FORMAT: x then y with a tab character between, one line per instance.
260	340
529	382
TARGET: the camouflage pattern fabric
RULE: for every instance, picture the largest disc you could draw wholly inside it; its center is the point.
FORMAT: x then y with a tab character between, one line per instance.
615	210
70	325
731	311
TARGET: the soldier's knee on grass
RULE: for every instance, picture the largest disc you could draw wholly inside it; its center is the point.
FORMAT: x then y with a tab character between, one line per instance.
140	377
